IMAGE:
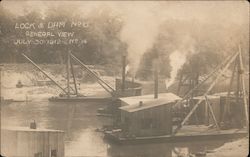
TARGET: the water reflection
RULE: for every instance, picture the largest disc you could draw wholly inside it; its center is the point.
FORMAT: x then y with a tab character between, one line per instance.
162	149
79	121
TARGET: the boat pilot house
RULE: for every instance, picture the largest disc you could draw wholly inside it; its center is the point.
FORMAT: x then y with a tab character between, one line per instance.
147	116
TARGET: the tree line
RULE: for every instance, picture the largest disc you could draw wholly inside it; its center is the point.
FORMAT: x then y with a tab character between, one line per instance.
212	42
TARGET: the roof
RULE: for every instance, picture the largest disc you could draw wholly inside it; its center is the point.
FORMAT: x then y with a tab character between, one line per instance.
133	103
27	129
214	96
208	97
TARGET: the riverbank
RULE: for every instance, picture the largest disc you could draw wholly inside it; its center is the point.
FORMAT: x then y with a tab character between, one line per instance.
34	82
238	148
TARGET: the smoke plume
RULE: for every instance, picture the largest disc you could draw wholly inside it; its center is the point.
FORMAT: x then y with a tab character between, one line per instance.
139	33
141	21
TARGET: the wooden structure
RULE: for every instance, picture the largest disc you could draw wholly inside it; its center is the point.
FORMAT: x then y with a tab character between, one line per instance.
232	111
187	81
202	115
70	93
218	73
147	116
27	142
101	82
217	112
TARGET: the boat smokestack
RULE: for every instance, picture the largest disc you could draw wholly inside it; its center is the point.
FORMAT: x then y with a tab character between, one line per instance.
133	79
140	103
33	125
156	80
123	72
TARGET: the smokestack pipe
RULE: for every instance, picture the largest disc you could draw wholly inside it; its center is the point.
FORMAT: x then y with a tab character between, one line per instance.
155	80
123	72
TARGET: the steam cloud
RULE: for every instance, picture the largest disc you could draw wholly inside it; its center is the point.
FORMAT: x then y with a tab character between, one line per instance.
176	62
179	57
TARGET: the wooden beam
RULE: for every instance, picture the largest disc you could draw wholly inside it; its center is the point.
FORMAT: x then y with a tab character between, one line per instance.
243	88
123	73
73	75
238	80
1	109
156	80
219	67
68	74
226	107
212	112
206	93
108	88
180	82
206	114
44	73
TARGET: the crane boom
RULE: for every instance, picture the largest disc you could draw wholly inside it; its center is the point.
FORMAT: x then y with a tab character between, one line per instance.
108	88
33	63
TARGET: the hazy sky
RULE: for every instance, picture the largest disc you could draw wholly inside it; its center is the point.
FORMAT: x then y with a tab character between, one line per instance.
218	11
143	18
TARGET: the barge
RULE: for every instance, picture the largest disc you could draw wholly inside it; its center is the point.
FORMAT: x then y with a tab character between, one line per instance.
70	93
167	117
194	133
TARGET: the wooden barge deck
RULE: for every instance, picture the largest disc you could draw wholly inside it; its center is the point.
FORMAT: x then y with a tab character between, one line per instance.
188	133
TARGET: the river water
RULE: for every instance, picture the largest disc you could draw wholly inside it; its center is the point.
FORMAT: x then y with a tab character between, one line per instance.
79	121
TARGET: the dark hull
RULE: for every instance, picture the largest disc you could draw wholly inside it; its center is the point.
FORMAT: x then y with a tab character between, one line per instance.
228	134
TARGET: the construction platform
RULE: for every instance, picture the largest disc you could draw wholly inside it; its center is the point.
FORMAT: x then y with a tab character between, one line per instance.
187	133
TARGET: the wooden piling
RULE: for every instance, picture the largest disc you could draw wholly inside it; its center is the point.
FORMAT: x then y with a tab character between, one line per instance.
156	80
123	73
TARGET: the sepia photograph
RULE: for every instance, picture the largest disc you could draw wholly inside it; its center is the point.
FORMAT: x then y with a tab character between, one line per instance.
124	78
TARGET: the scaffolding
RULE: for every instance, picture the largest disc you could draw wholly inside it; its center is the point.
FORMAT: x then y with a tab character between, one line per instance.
217	73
